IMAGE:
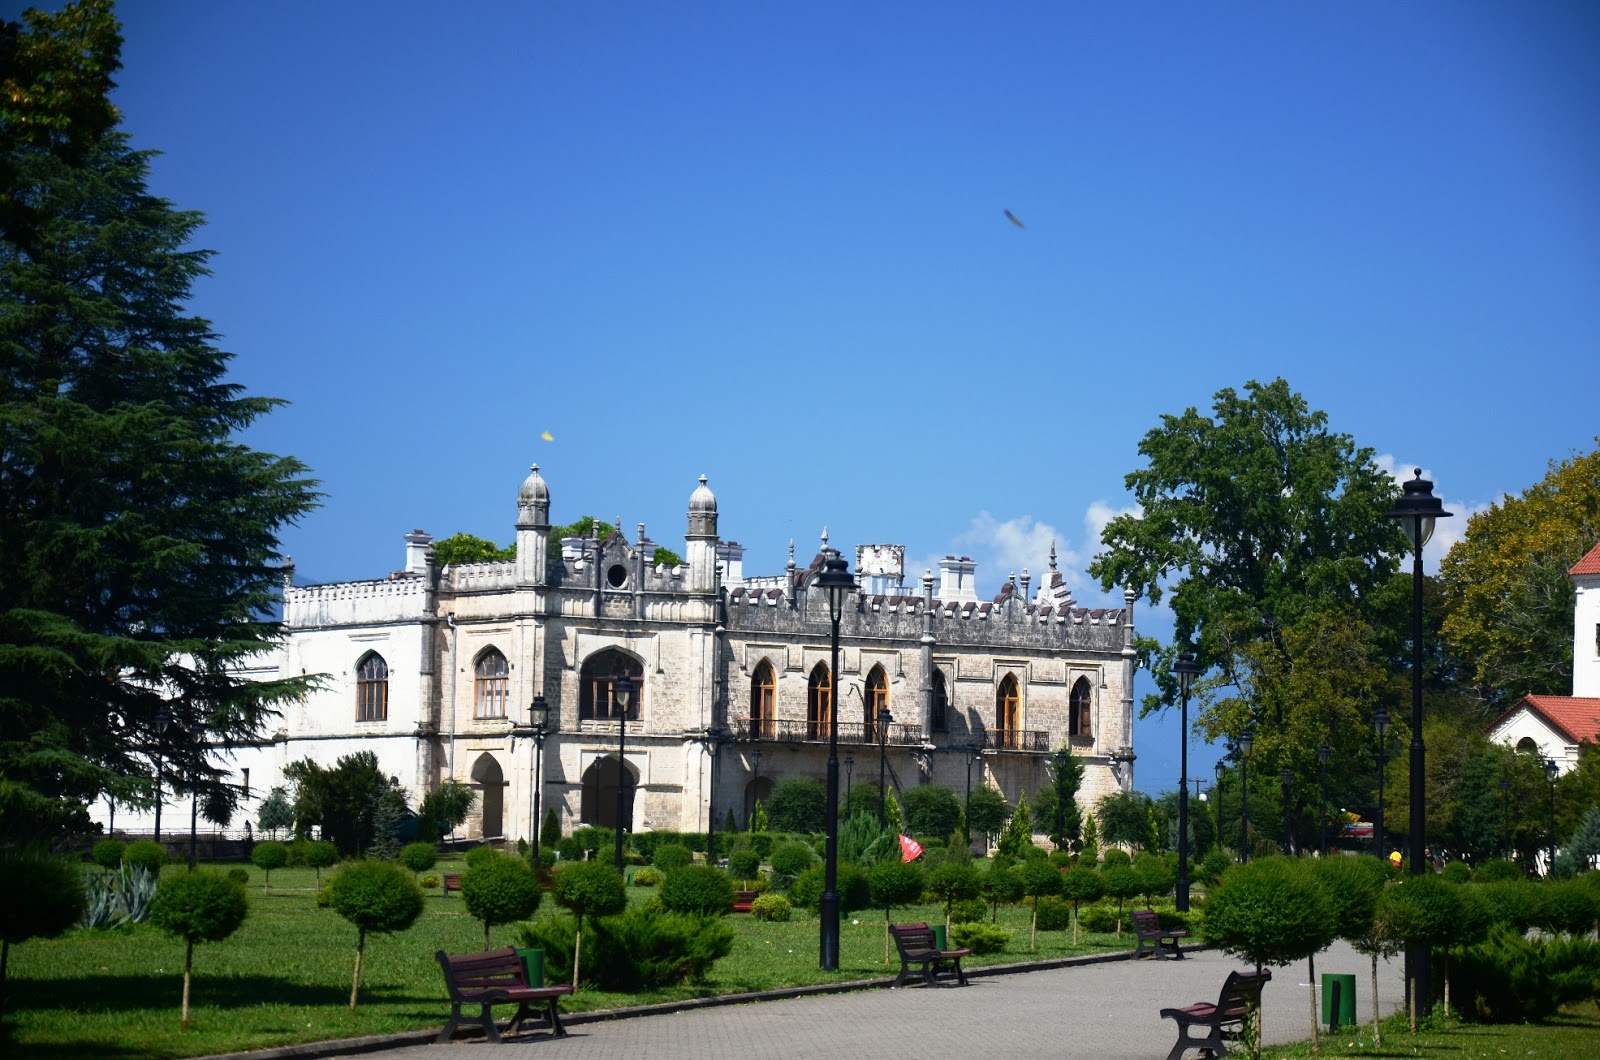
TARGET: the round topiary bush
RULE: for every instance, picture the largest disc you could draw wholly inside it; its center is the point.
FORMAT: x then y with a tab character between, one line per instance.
671	856
1456	872
268	856
1271	912
698	889
107	853
1569	907
965	910
199	906
647	877
744	863
320	855
146	854
419	857
1498	870
791	859
480	854
375	896
771	907
979	937
499	890
1055	914
239	875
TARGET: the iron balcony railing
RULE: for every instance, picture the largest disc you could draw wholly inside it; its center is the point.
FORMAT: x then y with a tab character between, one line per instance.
850	732
1016	740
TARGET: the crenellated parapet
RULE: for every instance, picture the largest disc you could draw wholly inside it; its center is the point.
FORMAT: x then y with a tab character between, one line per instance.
351	603
479	577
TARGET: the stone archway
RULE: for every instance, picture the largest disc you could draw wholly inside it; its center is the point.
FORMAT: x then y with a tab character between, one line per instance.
599	805
491	781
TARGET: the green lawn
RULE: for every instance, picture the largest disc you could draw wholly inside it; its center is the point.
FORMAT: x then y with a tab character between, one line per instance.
284	977
1572	1035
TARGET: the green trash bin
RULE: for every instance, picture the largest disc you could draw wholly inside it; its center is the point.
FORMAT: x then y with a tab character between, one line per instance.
532	965
938	937
1347	999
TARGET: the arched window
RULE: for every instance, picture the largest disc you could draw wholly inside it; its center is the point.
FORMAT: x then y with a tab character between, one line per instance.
596	701
876	701
1008	712
492	674
1079	722
819	703
941	702
372	688
763	702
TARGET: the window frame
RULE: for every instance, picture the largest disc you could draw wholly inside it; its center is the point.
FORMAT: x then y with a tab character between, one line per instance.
491	690
372	689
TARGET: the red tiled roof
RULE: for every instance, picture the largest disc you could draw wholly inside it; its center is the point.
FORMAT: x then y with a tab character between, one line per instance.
1589	564
1577	717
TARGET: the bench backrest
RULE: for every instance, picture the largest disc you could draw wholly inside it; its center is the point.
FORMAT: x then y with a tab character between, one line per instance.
912	936
483	971
1146	920
1241	992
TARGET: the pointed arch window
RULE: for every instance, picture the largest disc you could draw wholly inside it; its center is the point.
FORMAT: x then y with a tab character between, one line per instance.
1008	711
763	702
875	702
596	697
372	688
1079	719
491	685
941	702
819	703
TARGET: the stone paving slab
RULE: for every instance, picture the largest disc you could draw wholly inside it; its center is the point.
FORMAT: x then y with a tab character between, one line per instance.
1108	1010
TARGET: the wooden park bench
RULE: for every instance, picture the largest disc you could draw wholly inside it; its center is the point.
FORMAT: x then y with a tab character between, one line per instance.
915	943
1224	1021
495	978
452	882
1152	936
742	901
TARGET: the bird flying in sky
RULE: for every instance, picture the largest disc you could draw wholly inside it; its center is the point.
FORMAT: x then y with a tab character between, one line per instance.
547	436
1013	219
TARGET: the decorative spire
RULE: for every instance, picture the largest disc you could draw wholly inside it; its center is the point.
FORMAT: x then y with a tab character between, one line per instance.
1052	553
824	539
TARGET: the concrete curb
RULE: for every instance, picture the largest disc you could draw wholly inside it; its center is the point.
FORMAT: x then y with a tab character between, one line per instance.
374	1042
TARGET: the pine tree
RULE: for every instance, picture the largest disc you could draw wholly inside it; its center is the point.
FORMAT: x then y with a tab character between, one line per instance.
1018	836
139	561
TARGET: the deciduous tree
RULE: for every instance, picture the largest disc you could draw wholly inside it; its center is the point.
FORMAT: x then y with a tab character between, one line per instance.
202	906
375	896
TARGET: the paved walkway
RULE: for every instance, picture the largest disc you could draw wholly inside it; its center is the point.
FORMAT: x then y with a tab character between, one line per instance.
1108	1010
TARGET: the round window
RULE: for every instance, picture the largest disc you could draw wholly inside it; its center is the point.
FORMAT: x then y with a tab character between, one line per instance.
617	575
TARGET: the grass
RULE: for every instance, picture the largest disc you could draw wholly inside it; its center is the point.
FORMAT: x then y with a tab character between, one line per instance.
1571	1035
284	977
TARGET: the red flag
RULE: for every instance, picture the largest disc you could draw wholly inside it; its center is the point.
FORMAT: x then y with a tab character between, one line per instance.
910	849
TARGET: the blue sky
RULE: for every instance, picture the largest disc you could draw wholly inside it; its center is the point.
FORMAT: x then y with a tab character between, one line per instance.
766	243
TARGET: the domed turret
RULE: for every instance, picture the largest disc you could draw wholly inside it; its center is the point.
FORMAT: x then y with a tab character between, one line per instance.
703	511
533	528
702	539
534	493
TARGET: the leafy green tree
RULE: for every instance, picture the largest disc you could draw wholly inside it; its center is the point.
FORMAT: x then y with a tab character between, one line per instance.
589	889
139	561
462	547
199	906
443	810
700	890
1353	885
1018	836
1124	817
44	897
375	896
268	856
930	810
1091	841
1250	519
1509	601
500	890
999	884
1418	912
894	883
1080	884
276	815
987	811
1156	877
549	832
1120	882
798	804
389	819
1039	879
955	881
1061	790
320	855
344	800
419	857
1581	850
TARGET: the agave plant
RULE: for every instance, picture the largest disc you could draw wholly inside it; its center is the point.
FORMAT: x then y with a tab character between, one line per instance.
138	888
100	900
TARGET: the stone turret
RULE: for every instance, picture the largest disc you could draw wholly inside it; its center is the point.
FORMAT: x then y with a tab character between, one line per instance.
533	529
702	539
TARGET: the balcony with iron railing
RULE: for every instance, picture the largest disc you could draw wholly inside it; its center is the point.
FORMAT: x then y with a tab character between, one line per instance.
776	730
1035	740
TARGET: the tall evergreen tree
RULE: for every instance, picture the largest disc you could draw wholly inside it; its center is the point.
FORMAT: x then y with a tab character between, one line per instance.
139	561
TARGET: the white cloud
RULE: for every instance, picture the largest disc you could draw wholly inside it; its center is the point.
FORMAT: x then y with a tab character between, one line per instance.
1015	545
1099	514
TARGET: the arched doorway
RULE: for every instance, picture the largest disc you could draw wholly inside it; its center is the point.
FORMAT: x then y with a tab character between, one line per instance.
486	773
599	805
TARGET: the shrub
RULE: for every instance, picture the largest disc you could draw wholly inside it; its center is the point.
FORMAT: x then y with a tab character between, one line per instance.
979	937
44	896
547	858
1509	978
670	856
1101	919
320	855
1115	856
107	853
1514	902
647	877
419	857
700	890
1271	911
429	882
239	875
569	849
1213	865
789	860
1080	884
855	891
954	881
1456	872
268	856
1567	907
1498	870
375	896
1053	914
1120	882
771	907
968	909
480	854
641	949
930	810
761	842
1156	877
744	863
499	890
146	854
894	883
592	840
799	804
590	889
200	906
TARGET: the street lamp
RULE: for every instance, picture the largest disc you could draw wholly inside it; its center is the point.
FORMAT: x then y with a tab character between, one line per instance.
1287	778
539	715
1552	770
1186	669
974	757
834	580
1421	509
1246	740
755	783
1061	804
849	770
622	694
1380	722
884	718
1323	754
712	740
1219	769
163	719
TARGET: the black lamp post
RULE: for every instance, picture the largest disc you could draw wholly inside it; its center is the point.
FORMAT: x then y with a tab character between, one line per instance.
539	715
1219	769
712	740
1246	739
835	580
622	693
1287	779
1186	669
163	719
1552	770
974	757
1323	754
1380	722
849	771
755	781
1419	508
884	718
1061	805
1505	824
